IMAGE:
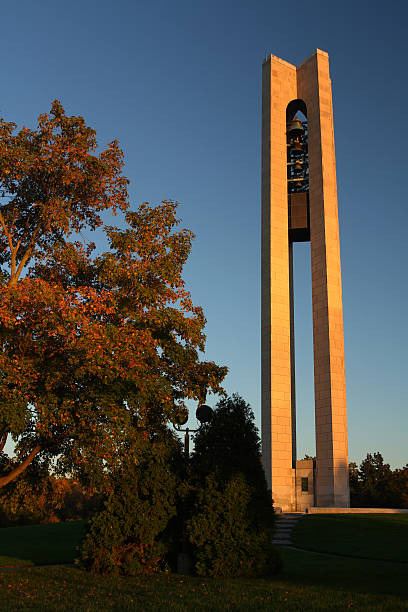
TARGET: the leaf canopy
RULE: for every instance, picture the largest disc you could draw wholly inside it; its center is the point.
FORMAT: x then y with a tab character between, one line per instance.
95	348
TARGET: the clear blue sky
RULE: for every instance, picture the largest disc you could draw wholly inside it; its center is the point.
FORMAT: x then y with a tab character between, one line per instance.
178	83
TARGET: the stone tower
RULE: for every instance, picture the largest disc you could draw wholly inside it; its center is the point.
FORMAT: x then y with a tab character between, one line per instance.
299	203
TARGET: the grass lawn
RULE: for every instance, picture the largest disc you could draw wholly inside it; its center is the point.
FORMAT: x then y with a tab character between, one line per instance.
40	544
309	582
372	536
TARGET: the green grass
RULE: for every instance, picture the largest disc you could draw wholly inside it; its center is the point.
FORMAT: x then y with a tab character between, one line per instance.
40	544
380	578
302	586
371	536
309	582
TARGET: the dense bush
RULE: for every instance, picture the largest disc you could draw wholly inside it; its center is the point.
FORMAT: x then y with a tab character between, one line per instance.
126	536
231	521
229	541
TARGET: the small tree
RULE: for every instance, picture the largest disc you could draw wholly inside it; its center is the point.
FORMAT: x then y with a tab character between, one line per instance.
231	521
229	445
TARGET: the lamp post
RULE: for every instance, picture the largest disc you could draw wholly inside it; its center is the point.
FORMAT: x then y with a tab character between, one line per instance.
204	415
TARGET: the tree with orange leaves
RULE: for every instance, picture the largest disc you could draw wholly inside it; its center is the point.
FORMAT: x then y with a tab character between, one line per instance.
96	349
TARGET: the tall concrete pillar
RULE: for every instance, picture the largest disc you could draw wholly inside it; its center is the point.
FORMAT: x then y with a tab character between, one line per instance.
306	88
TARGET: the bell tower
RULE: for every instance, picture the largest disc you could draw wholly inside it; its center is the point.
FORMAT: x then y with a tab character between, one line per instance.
299	203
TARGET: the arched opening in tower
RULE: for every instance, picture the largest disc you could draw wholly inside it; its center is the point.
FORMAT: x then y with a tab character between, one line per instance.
297	137
302	388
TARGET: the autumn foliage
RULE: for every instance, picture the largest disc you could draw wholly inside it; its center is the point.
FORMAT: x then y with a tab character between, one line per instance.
97	350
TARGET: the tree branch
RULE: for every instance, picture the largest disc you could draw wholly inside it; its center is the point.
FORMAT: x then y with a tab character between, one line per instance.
28	251
13	251
21	467
6	231
13	268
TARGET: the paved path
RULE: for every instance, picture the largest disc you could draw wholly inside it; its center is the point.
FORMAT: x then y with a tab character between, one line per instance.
284	525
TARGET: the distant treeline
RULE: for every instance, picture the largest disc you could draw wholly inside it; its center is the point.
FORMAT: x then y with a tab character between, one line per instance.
375	485
38	496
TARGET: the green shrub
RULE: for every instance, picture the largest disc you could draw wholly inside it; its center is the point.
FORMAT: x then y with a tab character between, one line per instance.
125	536
228	539
230	445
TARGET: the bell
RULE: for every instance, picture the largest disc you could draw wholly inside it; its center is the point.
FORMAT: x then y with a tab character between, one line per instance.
298	165
295	126
297	147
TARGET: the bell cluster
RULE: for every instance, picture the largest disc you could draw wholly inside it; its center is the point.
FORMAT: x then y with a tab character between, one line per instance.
298	167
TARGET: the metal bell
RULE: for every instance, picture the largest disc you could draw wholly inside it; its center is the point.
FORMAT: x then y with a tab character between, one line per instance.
295	126
297	147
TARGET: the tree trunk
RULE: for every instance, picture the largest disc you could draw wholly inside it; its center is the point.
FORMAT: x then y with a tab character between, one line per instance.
3	442
21	467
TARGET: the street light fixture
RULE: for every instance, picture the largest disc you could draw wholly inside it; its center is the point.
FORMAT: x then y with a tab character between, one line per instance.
204	415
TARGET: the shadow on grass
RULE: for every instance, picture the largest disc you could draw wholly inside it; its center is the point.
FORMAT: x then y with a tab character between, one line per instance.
348	574
40	544
383	537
